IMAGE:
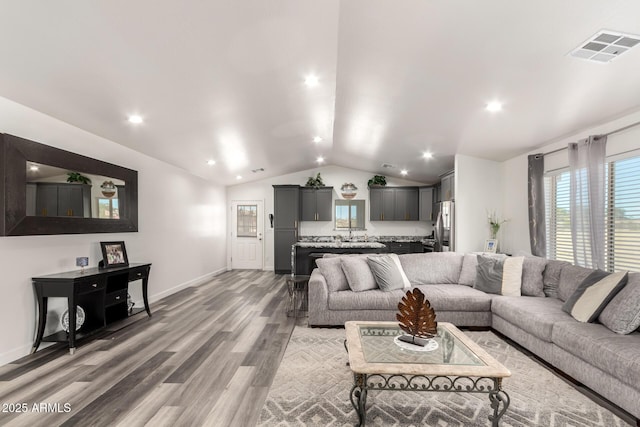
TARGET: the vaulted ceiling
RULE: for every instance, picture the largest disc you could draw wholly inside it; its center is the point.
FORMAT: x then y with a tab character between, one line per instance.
224	79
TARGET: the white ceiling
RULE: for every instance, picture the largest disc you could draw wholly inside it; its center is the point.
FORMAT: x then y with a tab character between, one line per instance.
223	79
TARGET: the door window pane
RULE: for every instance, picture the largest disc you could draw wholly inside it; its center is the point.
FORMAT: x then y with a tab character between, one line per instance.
247	220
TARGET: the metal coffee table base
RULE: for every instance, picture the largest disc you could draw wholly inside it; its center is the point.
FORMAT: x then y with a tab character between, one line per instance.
363	383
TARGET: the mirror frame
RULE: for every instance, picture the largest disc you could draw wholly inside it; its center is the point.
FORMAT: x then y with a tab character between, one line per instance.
16	151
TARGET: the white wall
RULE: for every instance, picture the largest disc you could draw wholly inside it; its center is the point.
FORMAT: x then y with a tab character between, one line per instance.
477	193
514	184
182	224
333	176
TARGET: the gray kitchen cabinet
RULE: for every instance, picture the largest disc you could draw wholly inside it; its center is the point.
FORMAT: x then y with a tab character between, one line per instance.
316	204
59	199
393	204
426	204
447	183
286	216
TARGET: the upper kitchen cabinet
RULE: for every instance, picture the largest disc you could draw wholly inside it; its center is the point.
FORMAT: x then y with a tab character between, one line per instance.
447	183
286	206
316	204
426	203
393	204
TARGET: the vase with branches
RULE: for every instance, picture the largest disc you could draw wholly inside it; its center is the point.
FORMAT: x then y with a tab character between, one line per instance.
495	223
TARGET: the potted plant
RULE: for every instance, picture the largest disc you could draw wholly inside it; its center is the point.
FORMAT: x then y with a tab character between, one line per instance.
315	182
77	177
377	181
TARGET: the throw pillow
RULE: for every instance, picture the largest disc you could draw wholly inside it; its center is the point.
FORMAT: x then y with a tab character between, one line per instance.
532	269
570	278
551	277
386	273
359	276
470	266
331	269
499	276
593	295
622	314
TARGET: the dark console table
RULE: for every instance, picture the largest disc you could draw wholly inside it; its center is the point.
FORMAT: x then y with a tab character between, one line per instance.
101	292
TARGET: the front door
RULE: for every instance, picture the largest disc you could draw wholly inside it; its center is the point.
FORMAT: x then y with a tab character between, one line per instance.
246	234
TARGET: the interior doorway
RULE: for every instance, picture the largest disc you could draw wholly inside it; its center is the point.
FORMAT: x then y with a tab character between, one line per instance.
247	230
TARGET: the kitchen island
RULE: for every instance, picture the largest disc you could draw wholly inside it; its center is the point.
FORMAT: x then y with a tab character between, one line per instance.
307	252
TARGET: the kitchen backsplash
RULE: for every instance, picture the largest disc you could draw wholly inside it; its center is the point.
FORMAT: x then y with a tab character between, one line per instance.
363	237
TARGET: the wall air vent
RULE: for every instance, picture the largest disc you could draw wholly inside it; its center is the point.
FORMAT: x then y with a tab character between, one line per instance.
605	46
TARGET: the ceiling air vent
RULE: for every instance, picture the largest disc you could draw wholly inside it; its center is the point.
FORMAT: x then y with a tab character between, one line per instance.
388	166
605	46
257	170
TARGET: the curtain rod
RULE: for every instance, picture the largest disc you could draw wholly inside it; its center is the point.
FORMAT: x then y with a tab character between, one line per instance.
605	134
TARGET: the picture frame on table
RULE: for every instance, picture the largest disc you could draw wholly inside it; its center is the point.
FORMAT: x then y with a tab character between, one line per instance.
114	254
490	245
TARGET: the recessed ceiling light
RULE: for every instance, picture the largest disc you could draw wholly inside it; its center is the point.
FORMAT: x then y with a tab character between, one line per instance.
320	159
135	119
238	177
211	162
33	168
494	106
403	172
317	139
311	80
427	155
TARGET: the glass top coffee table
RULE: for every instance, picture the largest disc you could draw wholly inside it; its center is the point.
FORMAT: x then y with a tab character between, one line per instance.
457	365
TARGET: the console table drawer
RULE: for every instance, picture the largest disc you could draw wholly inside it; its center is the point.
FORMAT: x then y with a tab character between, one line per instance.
138	273
90	285
117	297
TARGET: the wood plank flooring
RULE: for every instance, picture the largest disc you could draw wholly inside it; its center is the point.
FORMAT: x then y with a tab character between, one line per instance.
207	357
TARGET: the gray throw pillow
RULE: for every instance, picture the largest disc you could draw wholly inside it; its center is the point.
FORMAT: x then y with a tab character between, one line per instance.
358	274
331	269
386	273
593	294
469	268
499	276
570	278
532	269
622	314
551	277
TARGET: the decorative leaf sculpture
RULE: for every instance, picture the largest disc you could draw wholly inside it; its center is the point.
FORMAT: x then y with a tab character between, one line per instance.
416	316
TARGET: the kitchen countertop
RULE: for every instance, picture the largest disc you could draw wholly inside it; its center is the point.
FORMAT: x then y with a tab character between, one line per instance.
339	245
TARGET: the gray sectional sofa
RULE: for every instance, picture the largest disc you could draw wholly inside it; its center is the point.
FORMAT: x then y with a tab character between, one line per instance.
605	361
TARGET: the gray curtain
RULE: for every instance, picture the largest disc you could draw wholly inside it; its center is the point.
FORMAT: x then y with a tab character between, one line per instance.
537	234
587	160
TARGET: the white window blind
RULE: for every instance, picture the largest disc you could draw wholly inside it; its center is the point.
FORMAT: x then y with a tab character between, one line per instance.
622	216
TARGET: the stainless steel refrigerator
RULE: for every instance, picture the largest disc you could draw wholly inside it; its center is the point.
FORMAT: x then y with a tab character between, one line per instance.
445	227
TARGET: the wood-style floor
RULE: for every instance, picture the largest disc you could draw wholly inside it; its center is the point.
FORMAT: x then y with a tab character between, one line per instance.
206	357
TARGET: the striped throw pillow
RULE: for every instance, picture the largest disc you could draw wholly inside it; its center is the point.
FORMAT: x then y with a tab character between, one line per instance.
593	294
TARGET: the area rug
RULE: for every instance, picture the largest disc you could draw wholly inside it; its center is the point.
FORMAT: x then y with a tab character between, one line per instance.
312	386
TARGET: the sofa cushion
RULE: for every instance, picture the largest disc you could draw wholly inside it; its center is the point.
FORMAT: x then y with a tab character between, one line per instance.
469	271
551	277
499	276
618	355
432	268
445	297
331	269
532	269
359	276
622	314
570	278
535	315
593	294
387	272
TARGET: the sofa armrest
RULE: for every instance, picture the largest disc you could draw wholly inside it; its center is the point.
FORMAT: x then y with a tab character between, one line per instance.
318	297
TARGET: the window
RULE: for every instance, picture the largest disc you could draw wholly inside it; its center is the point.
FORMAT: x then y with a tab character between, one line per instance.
108	208
247	219
622	216
350	214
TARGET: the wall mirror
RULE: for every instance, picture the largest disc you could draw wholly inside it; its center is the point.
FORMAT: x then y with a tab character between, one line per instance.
52	191
350	215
